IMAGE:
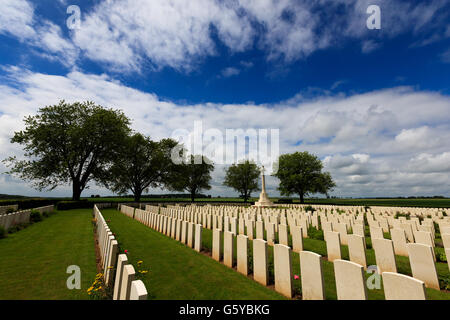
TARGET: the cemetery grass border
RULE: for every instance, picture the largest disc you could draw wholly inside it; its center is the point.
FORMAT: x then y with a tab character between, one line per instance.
177	272
34	261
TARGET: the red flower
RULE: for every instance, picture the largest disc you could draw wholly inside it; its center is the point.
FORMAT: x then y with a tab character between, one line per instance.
126	251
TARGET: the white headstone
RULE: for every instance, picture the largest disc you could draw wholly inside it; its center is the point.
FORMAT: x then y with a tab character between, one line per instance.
138	291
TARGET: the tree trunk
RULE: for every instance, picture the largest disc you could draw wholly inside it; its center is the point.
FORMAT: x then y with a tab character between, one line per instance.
192	196
246	195
76	191
137	196
302	199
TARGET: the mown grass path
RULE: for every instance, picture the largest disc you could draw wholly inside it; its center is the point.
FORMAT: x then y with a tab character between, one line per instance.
177	272
33	261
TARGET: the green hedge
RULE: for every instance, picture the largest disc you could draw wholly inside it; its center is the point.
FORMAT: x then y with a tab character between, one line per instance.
287	201
32	203
35	216
70	205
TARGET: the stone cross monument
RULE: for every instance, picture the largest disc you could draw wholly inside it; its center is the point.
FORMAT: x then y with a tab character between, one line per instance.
264	200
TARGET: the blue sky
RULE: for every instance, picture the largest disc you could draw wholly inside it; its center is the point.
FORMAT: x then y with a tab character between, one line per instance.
373	104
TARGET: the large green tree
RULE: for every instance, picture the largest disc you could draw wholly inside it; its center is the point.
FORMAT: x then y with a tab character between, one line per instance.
301	173
191	176
243	177
69	143
142	164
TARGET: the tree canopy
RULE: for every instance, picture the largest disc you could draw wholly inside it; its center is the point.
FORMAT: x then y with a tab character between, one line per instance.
301	173
69	143
191	177
141	164
243	177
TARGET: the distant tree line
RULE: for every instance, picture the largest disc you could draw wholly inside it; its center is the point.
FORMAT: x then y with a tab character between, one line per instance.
82	142
157	196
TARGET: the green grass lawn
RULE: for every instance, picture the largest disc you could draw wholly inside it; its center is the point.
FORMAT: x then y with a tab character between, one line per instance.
177	272
34	261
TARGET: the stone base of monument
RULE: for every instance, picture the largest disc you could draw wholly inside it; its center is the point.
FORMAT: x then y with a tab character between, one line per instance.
264	205
264	202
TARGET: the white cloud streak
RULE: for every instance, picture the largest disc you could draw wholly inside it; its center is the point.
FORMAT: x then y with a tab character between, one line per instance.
17	18
135	35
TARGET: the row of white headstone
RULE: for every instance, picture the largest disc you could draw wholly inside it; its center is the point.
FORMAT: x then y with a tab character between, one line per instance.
234	210
125	286
422	266
349	276
5	209
412	211
420	256
330	222
181	230
418	246
412	229
9	220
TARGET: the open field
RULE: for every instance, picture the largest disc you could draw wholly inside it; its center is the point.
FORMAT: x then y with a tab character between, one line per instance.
389	202
34	261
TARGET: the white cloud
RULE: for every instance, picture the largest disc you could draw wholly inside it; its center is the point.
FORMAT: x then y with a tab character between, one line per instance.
168	33
50	39
429	163
17	18
247	64
230	71
369	46
178	34
416	138
353	165
372	143
130	35
445	56
362	158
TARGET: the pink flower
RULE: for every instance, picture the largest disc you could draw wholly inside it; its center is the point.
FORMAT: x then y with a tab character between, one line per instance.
296	277
126	251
